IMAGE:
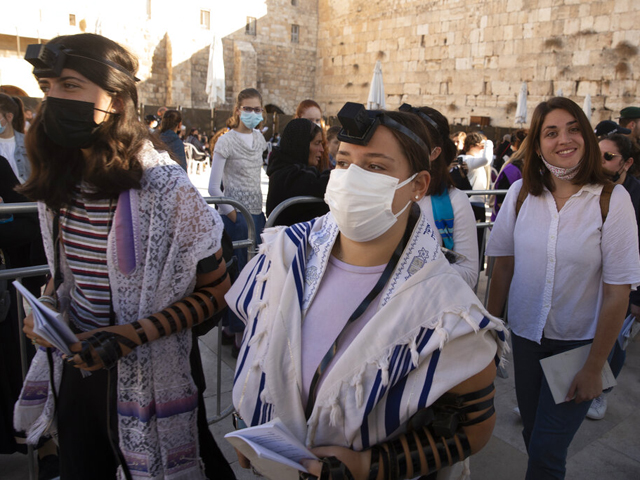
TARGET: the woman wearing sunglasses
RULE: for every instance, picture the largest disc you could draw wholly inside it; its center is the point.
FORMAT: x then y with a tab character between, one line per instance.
566	248
617	159
134	253
358	329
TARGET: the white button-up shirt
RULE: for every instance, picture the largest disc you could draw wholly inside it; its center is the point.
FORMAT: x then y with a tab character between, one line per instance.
562	259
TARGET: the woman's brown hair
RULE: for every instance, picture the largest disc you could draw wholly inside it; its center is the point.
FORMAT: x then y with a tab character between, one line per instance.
303	106
418	157
15	107
245	94
535	174
113	165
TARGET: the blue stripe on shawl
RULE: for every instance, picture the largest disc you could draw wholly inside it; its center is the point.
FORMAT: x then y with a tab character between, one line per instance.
371	402
249	284
256	413
484	322
253	327
392	407
422	402
298	235
501	335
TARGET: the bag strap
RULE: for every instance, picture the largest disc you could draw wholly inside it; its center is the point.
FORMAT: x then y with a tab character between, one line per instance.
443	217
605	199
522	196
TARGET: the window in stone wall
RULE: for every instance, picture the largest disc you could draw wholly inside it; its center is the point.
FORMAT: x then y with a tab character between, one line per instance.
295	33
205	19
72	20
251	27
294	3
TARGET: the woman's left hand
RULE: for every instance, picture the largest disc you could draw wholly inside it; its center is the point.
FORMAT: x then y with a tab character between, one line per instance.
586	385
356	462
77	348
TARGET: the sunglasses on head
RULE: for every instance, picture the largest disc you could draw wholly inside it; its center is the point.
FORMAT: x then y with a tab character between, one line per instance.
251	109
608	156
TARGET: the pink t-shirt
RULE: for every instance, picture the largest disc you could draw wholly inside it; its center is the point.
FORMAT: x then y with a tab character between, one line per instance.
342	289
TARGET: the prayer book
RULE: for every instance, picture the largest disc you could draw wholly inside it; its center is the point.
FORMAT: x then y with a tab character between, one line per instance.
561	369
48	324
272	450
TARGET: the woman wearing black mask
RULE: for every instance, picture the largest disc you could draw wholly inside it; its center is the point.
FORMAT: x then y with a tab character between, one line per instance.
128	239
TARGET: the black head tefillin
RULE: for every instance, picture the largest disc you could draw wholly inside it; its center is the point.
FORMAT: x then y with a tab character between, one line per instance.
49	60
359	125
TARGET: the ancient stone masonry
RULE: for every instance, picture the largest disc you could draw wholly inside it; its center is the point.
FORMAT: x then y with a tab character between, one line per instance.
469	58
283	71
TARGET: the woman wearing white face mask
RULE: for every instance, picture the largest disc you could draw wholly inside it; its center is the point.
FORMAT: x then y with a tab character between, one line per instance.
349	316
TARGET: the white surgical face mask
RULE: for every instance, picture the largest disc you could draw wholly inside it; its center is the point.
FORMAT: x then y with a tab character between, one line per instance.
360	202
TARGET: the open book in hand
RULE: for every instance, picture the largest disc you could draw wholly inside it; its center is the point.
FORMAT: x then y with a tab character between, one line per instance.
48	323
272	450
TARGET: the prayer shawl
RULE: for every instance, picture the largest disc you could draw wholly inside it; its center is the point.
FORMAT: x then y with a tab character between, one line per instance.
159	234
428	335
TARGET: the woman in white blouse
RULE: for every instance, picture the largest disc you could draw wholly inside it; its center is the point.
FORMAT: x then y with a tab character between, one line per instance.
567	266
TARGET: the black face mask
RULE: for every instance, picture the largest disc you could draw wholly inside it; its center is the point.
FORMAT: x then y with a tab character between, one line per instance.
69	123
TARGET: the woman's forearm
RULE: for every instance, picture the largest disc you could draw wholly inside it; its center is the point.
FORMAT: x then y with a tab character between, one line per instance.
614	306
500	283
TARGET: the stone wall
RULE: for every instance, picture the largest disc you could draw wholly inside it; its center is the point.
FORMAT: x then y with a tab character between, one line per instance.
469	58
285	72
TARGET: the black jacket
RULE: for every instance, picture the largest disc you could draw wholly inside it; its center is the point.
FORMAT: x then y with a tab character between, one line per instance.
291	176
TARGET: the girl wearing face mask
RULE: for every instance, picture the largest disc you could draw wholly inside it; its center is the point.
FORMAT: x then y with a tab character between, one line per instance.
310	110
293	172
566	248
350	315
236	165
12	136
134	253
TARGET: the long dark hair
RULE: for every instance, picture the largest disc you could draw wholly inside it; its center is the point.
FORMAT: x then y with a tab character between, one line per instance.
303	106
535	175
439	168
114	166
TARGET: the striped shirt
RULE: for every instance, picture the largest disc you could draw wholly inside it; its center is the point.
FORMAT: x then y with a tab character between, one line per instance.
84	227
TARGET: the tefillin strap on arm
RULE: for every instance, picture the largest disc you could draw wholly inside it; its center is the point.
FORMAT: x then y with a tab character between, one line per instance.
191	310
435	438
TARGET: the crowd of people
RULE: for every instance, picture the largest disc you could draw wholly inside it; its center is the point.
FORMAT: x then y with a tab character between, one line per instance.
355	324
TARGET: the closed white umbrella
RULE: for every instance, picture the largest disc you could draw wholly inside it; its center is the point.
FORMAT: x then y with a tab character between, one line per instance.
586	106
559	93
521	110
215	88
376	100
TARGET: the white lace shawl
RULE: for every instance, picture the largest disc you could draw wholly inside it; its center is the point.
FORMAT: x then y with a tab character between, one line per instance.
173	229
429	334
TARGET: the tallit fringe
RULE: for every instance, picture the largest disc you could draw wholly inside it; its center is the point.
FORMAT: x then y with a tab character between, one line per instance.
335	417
466	470
312	427
359	389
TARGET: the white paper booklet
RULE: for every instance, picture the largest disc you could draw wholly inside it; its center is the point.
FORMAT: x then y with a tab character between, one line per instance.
561	369
272	450
48	323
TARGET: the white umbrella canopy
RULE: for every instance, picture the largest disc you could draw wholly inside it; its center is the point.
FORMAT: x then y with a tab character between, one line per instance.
586	106
215	88
521	110
376	100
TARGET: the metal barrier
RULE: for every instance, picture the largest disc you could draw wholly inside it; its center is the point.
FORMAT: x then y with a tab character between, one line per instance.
20	273
287	203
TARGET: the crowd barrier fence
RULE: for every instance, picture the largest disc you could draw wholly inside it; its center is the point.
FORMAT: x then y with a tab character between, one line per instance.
249	243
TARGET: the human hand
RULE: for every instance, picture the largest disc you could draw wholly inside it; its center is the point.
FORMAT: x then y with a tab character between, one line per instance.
232	215
358	463
28	331
586	385
242	460
635	311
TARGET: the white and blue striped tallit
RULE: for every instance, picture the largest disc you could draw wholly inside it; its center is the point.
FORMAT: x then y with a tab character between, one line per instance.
429	334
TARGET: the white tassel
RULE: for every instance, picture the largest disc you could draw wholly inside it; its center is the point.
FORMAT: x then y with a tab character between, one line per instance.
470	320
384	366
257	337
257	308
444	334
415	356
262	277
466	470
335	417
357	382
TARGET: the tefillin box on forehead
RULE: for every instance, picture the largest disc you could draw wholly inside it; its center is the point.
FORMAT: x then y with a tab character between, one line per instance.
47	60
358	124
